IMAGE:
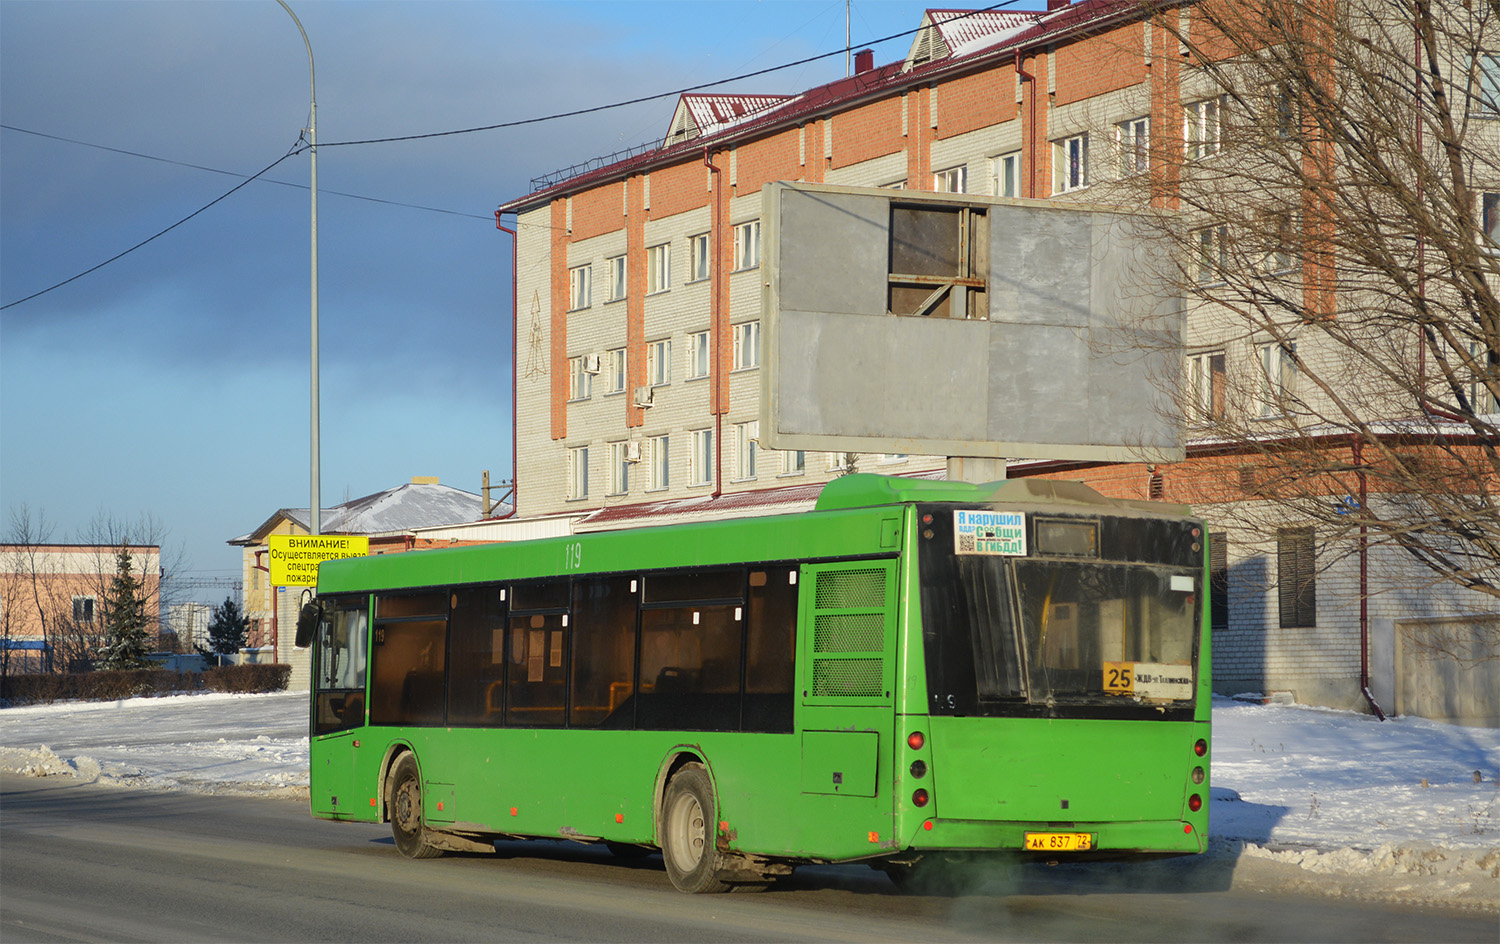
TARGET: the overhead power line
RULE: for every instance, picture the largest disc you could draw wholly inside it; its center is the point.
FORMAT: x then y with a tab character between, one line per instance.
322	191
148	239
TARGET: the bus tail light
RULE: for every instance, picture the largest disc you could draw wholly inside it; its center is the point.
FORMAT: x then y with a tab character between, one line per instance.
1195	803
1200	747
919	798
915	740
1198	775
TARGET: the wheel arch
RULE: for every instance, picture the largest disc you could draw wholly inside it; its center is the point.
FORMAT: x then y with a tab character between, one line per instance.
675	760
393	755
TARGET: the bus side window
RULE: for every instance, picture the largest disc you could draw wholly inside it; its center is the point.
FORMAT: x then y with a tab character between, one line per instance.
603	637
690	667
536	684
408	659
477	664
340	677
770	642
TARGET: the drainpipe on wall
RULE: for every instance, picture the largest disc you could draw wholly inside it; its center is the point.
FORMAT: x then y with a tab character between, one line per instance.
1031	141
275	635
1364	584
716	230
515	321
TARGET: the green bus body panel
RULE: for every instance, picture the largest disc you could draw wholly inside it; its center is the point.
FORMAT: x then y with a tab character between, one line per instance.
1027	769
842	763
510	781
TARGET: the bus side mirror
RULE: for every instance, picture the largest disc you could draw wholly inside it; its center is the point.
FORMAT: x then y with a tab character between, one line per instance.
307	623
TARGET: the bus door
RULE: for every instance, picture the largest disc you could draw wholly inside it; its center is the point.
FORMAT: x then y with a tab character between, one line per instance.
846	675
339	658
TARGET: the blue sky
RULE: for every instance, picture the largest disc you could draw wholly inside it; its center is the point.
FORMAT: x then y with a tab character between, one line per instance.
174	381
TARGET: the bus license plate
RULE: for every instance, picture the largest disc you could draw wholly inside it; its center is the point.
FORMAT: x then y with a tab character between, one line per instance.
1059	842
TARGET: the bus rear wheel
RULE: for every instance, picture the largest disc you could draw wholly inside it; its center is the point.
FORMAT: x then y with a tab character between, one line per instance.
407	826
687	834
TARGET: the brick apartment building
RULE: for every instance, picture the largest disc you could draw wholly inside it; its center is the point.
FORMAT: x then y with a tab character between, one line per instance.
638	306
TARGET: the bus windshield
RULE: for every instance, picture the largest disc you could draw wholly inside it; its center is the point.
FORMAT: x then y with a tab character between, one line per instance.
1018	632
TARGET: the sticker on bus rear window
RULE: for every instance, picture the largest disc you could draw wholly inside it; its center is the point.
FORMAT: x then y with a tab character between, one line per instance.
1150	680
989	532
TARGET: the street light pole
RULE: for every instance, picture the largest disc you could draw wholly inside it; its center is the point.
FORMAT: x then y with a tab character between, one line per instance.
315	507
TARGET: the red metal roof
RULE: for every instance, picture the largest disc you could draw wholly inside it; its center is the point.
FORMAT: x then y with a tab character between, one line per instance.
984	49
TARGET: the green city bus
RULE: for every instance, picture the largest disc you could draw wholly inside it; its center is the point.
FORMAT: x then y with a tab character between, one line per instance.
914	671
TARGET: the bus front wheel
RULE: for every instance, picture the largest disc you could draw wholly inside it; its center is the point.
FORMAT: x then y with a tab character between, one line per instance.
687	834
407	825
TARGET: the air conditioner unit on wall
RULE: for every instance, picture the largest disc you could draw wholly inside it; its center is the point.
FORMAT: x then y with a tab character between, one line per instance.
632	452
591	363
643	397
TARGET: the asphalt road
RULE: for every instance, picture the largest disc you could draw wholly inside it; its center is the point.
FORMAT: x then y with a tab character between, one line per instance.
88	863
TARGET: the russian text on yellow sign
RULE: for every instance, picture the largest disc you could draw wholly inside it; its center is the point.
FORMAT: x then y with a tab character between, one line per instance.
295	557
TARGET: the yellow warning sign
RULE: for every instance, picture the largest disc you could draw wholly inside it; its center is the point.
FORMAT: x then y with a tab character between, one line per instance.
295	557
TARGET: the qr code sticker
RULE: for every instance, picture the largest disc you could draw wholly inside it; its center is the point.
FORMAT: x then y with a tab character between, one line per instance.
965	542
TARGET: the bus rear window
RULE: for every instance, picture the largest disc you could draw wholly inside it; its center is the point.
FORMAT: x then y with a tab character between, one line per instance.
1042	623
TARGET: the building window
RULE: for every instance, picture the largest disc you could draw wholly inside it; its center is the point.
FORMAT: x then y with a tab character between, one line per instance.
793	462
619	467
1008	175
659	363
841	461
889	457
1278	376
1489	222
1280	235
1487	80
581	376
746	444
1218	580
747	245
747	345
698	355
1213	254
1201	126
83	609
661	465
615	364
698	258
1072	164
952	180
1207	385
1296	578
1487	364
1133	146
616	269
578	472
658	268
580	285
702	472
1284	112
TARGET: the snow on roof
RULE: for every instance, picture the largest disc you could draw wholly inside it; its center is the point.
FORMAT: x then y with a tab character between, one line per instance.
403	508
699	115
947	33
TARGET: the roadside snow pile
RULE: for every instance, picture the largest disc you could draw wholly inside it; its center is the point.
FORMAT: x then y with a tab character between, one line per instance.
1293	775
206	743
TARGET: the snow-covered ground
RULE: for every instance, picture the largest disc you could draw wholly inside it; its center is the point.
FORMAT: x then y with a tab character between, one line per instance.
1408	807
